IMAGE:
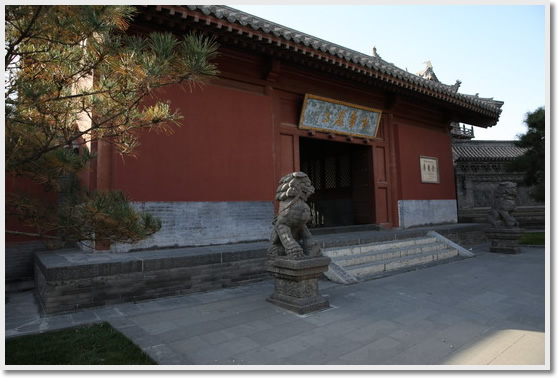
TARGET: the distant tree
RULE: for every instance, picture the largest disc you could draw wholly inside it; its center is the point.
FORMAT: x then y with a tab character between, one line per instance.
74	77
532	162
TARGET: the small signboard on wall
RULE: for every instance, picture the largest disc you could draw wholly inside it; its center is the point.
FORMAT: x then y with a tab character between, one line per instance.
338	117
429	170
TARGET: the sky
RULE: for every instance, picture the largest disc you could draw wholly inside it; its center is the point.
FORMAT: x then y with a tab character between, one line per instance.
497	51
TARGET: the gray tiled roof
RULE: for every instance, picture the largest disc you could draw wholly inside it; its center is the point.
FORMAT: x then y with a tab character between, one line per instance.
486	150
367	62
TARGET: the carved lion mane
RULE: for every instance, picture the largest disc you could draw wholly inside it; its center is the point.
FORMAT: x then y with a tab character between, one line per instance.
296	184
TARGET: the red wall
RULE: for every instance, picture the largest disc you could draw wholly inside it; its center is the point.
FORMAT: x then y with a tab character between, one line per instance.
22	185
413	142
222	152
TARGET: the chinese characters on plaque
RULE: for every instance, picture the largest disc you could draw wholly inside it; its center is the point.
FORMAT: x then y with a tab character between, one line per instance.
323	114
429	170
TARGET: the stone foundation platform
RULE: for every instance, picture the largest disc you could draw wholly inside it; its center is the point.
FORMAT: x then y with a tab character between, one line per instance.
70	280
504	240
296	283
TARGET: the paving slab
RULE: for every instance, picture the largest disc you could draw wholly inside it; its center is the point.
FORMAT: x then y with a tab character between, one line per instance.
488	310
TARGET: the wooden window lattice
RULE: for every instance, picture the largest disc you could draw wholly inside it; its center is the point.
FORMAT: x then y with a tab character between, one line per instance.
330	172
344	171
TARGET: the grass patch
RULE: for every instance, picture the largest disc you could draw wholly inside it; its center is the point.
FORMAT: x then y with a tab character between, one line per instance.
95	344
532	238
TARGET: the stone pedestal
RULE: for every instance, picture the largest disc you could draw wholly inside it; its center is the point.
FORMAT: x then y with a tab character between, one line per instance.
296	283
504	240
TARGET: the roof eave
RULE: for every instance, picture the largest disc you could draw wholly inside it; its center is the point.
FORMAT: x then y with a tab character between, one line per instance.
468	109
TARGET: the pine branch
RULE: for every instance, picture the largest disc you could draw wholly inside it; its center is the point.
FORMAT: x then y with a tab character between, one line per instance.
53	54
11	47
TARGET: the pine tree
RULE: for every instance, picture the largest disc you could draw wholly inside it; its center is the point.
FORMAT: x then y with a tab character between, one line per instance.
74	77
533	160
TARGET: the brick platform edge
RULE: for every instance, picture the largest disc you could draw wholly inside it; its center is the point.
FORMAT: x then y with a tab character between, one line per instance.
69	280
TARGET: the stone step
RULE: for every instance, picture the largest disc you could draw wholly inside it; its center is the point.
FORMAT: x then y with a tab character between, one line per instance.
379	267
363	261
389	253
336	252
335	273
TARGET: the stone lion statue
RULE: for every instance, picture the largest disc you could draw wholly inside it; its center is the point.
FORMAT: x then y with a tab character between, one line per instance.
499	215
290	236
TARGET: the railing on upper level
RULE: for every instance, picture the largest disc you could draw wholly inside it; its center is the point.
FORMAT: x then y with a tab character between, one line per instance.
462	131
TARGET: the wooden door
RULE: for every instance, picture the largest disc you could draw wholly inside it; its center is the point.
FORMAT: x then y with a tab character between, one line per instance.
362	190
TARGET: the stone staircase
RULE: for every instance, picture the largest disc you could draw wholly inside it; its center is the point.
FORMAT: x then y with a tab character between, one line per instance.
350	264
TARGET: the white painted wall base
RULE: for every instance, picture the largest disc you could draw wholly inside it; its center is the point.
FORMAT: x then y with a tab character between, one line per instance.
425	212
188	224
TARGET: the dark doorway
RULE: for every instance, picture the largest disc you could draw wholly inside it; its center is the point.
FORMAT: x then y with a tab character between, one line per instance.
340	173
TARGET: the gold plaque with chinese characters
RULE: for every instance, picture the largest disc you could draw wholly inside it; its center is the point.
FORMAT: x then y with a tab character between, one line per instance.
332	116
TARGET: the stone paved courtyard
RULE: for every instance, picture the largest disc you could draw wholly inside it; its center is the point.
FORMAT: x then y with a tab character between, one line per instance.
486	310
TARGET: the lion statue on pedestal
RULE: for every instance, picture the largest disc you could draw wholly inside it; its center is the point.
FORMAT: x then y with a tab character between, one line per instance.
499	215
290	236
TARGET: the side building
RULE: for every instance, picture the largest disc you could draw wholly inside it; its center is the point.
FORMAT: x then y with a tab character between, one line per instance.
480	165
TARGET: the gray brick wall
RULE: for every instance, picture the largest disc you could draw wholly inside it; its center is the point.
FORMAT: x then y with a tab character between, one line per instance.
527	216
19	260
426	212
466	237
186	224
72	281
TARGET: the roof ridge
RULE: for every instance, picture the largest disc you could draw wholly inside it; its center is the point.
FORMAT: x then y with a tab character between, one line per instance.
358	57
376	63
486	149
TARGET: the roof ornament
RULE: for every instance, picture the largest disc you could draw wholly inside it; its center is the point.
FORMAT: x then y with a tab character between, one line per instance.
428	72
456	86
375	53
